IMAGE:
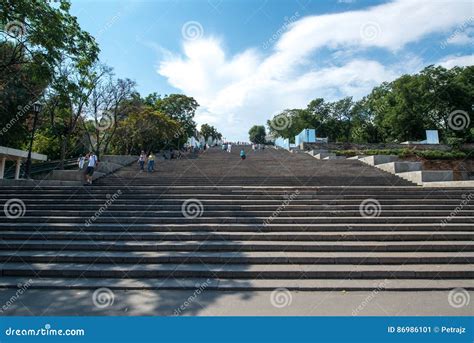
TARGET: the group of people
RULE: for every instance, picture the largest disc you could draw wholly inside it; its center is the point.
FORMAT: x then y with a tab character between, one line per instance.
92	163
228	147
149	160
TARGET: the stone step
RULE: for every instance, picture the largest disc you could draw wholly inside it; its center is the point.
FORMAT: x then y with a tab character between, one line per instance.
315	152
446	184
323	155
244	236
420	177
247	220
356	157
239	246
334	158
113	207
400	167
274	271
378	159
193	284
278	257
245	213
191	227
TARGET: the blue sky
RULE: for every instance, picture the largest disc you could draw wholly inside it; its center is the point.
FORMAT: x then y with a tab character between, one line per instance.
245	61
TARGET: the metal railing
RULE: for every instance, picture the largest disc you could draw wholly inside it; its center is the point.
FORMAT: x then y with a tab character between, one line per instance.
41	167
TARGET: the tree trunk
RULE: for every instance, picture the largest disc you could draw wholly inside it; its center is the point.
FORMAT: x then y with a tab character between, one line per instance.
63	151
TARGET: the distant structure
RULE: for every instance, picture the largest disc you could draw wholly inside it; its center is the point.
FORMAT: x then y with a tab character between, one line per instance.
431	138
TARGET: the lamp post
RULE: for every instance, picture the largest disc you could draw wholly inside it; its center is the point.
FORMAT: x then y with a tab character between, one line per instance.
36	110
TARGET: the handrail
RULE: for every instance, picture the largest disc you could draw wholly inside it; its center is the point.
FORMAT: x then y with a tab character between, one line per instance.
41	167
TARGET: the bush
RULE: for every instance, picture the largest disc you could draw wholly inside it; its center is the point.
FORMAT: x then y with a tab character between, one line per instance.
407	152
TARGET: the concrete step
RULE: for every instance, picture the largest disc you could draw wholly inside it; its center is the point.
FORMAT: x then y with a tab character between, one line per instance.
315	152
236	271
271	227
243	236
245	213
113	207
327	219
287	246
278	257
192	284
323	155
356	157
378	159
335	158
400	167
420	177
446	184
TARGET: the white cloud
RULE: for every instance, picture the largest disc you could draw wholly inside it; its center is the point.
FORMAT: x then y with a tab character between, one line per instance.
460	61
236	92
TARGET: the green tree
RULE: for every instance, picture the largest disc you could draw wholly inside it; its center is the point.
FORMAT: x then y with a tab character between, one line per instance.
257	134
209	131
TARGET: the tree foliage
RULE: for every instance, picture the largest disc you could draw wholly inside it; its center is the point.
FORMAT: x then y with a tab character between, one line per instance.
395	111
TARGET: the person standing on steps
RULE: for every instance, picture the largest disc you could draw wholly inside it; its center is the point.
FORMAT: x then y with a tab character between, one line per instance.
151	162
141	161
80	162
91	165
242	154
229	147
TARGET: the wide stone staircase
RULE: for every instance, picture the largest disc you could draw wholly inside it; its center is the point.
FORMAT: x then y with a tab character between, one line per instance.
273	220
